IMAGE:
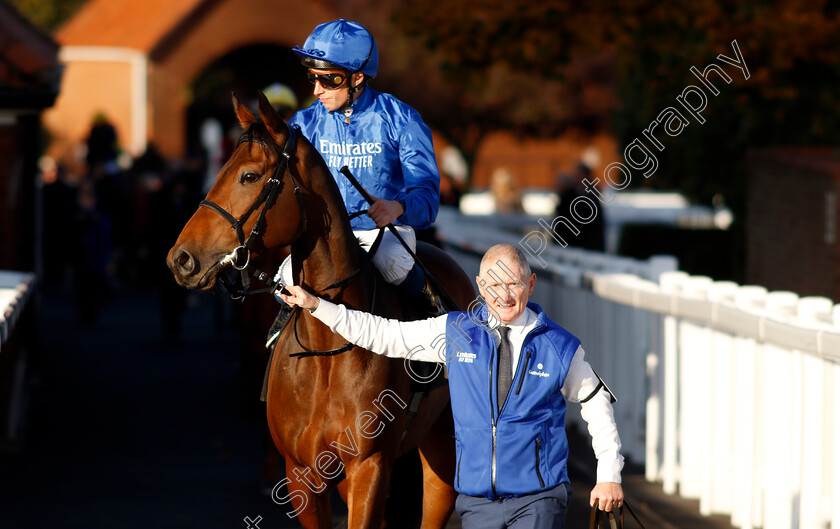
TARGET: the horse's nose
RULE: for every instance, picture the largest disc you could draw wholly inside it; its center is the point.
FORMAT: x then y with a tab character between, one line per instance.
184	261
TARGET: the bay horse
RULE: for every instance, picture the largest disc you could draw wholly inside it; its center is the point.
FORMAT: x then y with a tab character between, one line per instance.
339	420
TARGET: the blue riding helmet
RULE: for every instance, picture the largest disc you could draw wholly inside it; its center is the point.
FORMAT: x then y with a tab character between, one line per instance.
341	43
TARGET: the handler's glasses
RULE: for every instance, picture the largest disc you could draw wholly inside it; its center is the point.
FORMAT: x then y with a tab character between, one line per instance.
328	80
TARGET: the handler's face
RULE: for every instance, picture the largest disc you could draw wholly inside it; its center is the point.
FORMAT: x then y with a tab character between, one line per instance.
505	289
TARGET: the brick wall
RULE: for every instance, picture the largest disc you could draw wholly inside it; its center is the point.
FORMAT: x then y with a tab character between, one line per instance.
536	162
88	88
793	219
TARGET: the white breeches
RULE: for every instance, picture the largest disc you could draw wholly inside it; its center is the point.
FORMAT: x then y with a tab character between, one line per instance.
391	259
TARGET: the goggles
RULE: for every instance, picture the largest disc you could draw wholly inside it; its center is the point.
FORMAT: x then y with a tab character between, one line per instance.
329	80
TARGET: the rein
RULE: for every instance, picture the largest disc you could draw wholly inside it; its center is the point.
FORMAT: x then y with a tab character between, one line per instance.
348	345
332	352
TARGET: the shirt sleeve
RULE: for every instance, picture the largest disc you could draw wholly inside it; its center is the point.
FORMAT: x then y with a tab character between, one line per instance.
417	340
420	175
580	382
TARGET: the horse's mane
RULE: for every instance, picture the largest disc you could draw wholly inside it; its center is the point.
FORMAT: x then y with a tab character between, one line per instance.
257	132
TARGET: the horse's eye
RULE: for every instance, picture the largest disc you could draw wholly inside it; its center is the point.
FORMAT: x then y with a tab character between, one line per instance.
249	178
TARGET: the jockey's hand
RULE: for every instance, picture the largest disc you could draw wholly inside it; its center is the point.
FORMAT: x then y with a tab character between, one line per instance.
384	212
298	297
607	496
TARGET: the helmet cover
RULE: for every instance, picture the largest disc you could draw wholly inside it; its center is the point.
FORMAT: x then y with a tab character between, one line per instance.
341	43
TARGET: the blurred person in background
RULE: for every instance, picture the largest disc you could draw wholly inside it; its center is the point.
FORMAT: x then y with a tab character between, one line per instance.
507	194
569	187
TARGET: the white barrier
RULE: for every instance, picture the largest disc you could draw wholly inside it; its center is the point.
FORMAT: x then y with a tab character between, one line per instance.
15	289
757	404
729	394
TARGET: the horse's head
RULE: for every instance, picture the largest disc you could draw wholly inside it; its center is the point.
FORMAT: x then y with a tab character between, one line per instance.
254	205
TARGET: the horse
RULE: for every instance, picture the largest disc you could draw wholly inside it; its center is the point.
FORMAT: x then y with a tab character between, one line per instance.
338	415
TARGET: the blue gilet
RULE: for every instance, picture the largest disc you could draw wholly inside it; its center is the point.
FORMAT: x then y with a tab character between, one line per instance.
521	449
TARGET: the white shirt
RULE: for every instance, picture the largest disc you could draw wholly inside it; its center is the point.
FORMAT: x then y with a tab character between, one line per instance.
425	339
519	329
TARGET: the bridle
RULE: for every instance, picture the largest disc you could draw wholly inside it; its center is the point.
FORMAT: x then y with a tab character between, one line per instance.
240	257
267	199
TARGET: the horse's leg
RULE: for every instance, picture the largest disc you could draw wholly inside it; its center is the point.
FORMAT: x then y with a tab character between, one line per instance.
316	514
437	454
271	459
404	506
367	488
342	490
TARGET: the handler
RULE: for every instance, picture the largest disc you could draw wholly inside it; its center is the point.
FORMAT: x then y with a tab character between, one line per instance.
511	444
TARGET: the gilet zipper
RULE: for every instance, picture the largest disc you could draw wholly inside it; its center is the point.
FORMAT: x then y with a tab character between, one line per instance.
493	414
524	370
493	424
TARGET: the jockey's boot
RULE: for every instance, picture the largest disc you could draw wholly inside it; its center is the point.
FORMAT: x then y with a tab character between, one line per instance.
433	301
416	284
279	324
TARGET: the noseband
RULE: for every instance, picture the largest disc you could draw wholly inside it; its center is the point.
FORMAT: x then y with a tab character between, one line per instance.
240	257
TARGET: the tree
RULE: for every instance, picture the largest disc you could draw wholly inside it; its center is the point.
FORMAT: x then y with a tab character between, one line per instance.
791	49
48	14
543	67
530	67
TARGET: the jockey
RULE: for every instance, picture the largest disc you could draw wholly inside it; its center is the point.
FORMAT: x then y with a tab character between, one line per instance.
385	144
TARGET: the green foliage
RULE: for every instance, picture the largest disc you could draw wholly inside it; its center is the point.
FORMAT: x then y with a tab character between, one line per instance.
517	65
543	67
791	50
48	14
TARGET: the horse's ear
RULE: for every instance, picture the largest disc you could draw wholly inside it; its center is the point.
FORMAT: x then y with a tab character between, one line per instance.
245	116
273	122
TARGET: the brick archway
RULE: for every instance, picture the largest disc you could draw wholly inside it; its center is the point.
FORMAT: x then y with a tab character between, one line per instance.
136	61
244	72
233	24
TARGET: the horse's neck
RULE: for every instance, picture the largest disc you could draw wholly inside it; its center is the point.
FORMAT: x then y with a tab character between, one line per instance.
271	260
328	251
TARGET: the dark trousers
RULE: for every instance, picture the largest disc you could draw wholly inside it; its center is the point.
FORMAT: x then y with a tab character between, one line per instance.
541	510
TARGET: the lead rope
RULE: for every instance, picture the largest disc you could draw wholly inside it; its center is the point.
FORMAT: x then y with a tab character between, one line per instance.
332	352
595	517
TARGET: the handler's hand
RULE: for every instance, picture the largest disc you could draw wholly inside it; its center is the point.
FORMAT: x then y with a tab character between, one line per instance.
298	297
607	496
384	212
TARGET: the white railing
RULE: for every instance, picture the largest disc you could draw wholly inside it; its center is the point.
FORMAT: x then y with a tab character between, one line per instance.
728	394
15	289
